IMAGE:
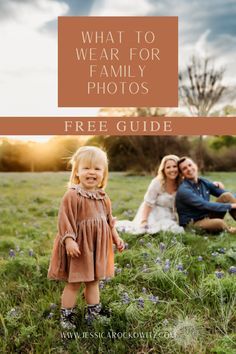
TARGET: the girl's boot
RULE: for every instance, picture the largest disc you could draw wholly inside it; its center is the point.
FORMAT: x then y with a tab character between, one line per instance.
92	312
67	320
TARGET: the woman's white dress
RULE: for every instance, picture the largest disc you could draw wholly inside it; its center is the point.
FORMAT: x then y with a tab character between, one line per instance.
162	216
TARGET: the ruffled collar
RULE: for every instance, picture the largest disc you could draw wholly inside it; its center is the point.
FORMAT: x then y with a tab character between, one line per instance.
98	194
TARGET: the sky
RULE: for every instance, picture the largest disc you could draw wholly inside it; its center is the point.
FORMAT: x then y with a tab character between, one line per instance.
28	40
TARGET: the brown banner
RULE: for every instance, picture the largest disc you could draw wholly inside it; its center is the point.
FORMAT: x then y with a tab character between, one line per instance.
117	126
117	61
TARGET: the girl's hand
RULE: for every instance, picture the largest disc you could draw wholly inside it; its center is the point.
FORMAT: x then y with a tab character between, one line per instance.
219	185
72	248
120	245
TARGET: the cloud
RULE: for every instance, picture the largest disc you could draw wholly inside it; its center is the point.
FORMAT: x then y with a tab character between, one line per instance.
121	8
28	61
80	7
206	28
31	13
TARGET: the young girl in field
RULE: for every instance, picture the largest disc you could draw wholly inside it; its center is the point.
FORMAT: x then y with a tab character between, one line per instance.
83	251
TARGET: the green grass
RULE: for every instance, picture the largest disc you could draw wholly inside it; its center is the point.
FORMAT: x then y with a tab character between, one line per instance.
189	311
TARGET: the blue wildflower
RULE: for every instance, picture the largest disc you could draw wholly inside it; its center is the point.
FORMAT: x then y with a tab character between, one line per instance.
101	284
180	267
11	253
53	306
162	246
31	253
140	302
50	315
12	312
215	254
232	270
154	299
126	246
117	270
141	242
125	298
219	274
166	267
158	260
107	280
144	290
200	258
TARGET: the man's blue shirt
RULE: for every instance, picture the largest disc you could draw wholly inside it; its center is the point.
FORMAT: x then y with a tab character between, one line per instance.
193	200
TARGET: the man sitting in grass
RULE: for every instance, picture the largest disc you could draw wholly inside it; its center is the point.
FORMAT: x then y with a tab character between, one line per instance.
193	200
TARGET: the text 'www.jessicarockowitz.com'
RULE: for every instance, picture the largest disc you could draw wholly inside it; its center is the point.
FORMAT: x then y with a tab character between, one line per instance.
115	335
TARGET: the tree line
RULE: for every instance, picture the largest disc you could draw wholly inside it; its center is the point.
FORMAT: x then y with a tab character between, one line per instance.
137	154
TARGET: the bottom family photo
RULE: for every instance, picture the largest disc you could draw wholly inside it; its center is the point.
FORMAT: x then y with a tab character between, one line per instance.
118	244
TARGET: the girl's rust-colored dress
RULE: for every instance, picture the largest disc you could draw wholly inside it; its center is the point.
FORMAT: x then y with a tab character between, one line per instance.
86	217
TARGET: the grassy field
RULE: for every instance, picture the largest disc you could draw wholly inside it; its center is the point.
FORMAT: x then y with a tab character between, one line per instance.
171	293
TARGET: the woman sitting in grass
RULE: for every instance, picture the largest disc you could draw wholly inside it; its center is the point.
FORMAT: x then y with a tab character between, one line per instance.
157	211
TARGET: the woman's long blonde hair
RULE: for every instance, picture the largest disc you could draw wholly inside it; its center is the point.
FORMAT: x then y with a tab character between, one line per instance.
91	155
161	175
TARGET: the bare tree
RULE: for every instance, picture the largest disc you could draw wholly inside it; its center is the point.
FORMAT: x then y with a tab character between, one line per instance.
201	88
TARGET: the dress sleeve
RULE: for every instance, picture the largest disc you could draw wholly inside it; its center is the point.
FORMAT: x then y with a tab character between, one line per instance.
152	192
110	219
67	217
